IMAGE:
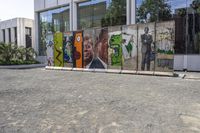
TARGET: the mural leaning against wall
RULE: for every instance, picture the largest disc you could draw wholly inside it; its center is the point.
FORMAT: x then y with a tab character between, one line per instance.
115	47
142	47
165	41
88	47
58	49
78	49
129	47
49	50
146	47
96	48
101	48
68	39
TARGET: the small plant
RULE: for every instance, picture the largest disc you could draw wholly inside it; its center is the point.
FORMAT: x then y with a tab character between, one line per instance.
169	52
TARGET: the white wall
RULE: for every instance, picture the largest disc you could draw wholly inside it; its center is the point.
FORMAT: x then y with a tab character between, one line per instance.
5	25
193	62
187	62
39	5
62	2
50	3
20	23
178	62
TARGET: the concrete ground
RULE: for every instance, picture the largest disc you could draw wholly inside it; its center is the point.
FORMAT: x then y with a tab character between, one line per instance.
40	101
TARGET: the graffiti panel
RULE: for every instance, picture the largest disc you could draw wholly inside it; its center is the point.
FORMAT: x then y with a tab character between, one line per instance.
165	41
68	49
129	47
115	47
49	50
58	49
78	49
146	47
88	45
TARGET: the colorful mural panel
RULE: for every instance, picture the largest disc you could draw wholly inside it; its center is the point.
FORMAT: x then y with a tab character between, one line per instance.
101	49
78	49
68	49
49	50
58	49
165	41
129	47
146	47
88	45
96	48
115	47
142	47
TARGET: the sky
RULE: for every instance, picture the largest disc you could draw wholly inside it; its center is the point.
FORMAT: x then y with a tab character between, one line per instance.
16	8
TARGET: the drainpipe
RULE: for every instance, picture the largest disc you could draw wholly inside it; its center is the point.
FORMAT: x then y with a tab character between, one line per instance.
186	42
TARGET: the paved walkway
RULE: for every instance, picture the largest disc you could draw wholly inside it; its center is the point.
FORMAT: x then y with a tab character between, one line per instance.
40	101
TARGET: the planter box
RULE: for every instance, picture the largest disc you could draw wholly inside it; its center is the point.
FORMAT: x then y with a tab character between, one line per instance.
22	66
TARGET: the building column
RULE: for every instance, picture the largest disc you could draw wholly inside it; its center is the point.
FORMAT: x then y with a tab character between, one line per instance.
21	41
128	12
71	15
36	35
18	33
133	11
74	16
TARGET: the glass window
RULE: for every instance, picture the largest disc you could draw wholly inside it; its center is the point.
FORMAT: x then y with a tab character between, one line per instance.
4	35
28	31
15	32
52	21
186	14
9	35
28	34
101	13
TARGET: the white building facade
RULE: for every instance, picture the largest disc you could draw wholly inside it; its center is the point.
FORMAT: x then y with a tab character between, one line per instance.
72	15
18	31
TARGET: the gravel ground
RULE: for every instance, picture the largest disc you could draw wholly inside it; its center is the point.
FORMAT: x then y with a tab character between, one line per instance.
40	101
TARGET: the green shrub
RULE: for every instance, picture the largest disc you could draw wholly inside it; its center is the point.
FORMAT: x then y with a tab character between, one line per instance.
11	54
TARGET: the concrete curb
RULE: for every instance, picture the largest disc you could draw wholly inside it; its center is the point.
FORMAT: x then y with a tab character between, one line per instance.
23	66
147	73
192	77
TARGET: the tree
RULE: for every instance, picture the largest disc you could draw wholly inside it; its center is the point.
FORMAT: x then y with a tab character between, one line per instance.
116	14
196	5
196	26
158	10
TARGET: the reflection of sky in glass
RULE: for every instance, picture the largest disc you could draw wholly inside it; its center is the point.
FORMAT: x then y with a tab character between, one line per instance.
46	16
175	4
93	2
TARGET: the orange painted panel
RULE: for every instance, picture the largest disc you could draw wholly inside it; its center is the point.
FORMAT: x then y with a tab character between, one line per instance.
78	49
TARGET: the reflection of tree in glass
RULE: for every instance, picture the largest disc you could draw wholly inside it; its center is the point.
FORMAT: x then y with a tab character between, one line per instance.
196	5
158	9
116	14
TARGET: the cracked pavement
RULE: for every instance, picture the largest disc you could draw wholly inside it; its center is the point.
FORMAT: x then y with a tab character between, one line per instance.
40	101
